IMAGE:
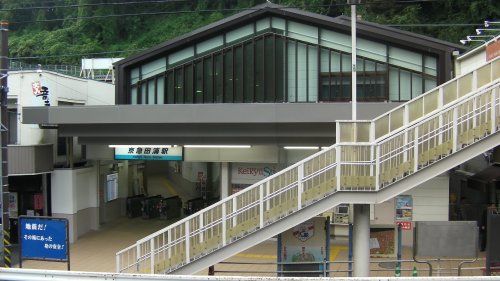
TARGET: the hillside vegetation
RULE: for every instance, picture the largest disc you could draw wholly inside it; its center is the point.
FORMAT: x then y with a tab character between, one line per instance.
38	35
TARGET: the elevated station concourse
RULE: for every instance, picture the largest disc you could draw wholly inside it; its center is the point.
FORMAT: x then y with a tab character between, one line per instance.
265	89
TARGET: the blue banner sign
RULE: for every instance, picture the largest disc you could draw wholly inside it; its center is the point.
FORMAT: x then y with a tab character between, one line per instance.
44	238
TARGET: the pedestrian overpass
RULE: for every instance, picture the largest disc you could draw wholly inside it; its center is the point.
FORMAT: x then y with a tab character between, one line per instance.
372	161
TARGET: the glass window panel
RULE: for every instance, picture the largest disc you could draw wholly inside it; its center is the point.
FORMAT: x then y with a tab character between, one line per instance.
325	75
430	84
346	64
160	90
180	55
170	87
303	32
198	93
301	72
279	63
209	44
406	59
219	83
312	74
325	61
238	73
269	73
292	70
405	85
152	68
133	95
228	76
208	82
259	70
141	91
416	85
188	84
335	62
393	84
278	23
372	50
151	91
369	66
335	40
134	75
179	87
248	72
239	33
263	24
430	65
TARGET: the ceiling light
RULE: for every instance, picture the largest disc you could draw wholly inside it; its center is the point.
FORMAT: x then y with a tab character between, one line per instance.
216	146
302	147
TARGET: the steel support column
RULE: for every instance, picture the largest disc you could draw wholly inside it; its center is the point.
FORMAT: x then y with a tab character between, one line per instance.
361	240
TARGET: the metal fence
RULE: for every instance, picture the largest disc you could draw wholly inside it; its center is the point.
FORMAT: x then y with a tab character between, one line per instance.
369	156
71	70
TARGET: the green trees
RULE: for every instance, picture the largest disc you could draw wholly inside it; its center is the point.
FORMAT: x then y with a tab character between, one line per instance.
100	30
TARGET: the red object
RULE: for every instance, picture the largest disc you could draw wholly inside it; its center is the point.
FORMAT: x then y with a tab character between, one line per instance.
492	50
405	225
38	201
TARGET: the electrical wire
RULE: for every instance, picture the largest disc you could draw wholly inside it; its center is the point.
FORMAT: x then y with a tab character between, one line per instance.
215	10
90	5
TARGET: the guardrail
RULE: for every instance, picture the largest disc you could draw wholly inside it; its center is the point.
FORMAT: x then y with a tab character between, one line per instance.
15	274
346	166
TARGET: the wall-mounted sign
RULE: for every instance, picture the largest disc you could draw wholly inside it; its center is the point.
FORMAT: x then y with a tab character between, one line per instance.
111	187
43	238
404	211
243	173
41	92
148	152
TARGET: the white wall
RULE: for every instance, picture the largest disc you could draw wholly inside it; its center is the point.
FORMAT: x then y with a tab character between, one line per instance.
470	61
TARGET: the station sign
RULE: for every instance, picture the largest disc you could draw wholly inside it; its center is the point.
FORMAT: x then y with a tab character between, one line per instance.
148	152
43	238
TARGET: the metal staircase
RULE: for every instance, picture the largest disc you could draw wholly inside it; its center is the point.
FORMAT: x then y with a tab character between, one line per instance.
371	162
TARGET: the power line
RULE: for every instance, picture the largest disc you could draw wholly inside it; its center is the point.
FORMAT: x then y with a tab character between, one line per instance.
215	10
78	55
90	5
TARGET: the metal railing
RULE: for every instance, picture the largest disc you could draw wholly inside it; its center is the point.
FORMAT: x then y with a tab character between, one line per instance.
350	165
71	70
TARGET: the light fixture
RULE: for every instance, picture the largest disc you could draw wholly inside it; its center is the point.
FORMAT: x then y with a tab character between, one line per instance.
480	31
487	23
302	147
215	146
472	37
144	145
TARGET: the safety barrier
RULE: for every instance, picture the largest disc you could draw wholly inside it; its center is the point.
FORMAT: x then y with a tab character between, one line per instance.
363	160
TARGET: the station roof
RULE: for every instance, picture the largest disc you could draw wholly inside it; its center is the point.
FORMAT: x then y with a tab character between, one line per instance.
341	23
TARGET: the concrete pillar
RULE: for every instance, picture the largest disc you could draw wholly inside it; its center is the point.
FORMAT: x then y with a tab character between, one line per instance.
361	237
225	181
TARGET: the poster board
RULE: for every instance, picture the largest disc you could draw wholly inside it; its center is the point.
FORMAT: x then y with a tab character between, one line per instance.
111	187
43	238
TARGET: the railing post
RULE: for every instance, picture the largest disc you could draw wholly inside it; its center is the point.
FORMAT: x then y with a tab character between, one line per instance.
300	186
339	166
415	149
268	191
224	226
474	80
261	206
235	209
188	242
440	117
201	228
494	94
152	255
137	255
169	240
455	129
118	267
377	167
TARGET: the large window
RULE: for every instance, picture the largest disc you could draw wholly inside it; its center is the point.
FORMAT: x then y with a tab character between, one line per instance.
274	61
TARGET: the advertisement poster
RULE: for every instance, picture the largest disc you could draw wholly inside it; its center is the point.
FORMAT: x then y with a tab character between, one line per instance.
305	242
247	173
13	213
44	238
404	208
111	187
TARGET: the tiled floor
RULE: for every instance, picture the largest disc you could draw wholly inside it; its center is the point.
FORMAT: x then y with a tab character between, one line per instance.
95	251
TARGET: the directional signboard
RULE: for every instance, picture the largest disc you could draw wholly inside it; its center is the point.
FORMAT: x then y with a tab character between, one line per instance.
43	238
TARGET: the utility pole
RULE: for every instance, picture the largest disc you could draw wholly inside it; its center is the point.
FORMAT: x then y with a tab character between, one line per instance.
361	219
4	140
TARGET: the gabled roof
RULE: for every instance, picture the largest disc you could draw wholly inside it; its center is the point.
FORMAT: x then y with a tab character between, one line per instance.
341	23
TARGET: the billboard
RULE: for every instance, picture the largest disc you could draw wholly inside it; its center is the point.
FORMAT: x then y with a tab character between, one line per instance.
148	152
43	238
